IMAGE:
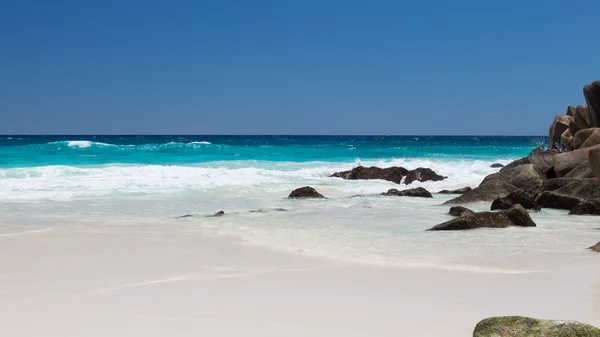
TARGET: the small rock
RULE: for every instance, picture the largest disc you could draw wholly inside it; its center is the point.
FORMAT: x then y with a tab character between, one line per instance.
393	174
458	191
460	211
497	165
219	213
596	247
588	207
305	193
519	326
413	192
516	197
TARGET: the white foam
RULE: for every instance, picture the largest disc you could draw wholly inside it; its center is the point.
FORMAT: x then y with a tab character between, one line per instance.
65	182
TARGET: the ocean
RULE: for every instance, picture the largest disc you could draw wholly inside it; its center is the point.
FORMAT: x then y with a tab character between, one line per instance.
99	183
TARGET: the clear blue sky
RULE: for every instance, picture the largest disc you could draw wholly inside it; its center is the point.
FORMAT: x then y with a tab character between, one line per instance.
293	67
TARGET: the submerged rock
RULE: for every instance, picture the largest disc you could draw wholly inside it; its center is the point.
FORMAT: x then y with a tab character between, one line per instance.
460	211
588	207
514	198
515	216
413	192
488	192
458	191
305	193
519	326
422	174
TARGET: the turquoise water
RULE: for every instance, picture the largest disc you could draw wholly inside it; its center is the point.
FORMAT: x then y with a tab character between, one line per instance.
27	151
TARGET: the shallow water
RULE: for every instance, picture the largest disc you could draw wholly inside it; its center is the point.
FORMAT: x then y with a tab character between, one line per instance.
139	185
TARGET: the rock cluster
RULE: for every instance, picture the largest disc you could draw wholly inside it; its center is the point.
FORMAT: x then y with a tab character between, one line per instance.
394	174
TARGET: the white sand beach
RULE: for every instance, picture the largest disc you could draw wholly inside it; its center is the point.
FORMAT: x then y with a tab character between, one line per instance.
64	277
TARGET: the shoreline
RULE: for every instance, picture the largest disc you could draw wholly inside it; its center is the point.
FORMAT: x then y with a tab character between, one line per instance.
126	284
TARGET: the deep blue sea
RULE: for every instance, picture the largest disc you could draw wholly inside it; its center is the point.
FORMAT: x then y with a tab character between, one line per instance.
27	151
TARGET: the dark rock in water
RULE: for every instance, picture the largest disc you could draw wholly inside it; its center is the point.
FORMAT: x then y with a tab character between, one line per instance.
458	191
265	210
413	192
219	213
184	216
527	177
497	165
460	211
550	199
422	174
514	198
393	174
488	192
596	247
581	171
588	207
305	193
591	92
515	216
519	326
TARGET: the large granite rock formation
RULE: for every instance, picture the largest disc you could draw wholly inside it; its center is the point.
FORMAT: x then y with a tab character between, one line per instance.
594	160
567	161
591	92
560	125
519	326
515	216
528	177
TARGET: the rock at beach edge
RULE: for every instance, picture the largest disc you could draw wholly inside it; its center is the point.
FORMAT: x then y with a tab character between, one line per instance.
519	326
306	192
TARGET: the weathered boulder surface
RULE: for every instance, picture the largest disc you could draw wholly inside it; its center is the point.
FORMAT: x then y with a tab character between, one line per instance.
581	171
566	139
305	193
393	174
422	174
488	192
527	177
550	199
460	211
458	191
560	125
591	92
587	207
556	183
514	198
567	161
515	216
519	326
413	192
593	139
581	136
543	159
570	195
594	160
582	118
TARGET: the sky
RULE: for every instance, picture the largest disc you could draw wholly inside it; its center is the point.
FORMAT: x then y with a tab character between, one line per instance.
293	67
